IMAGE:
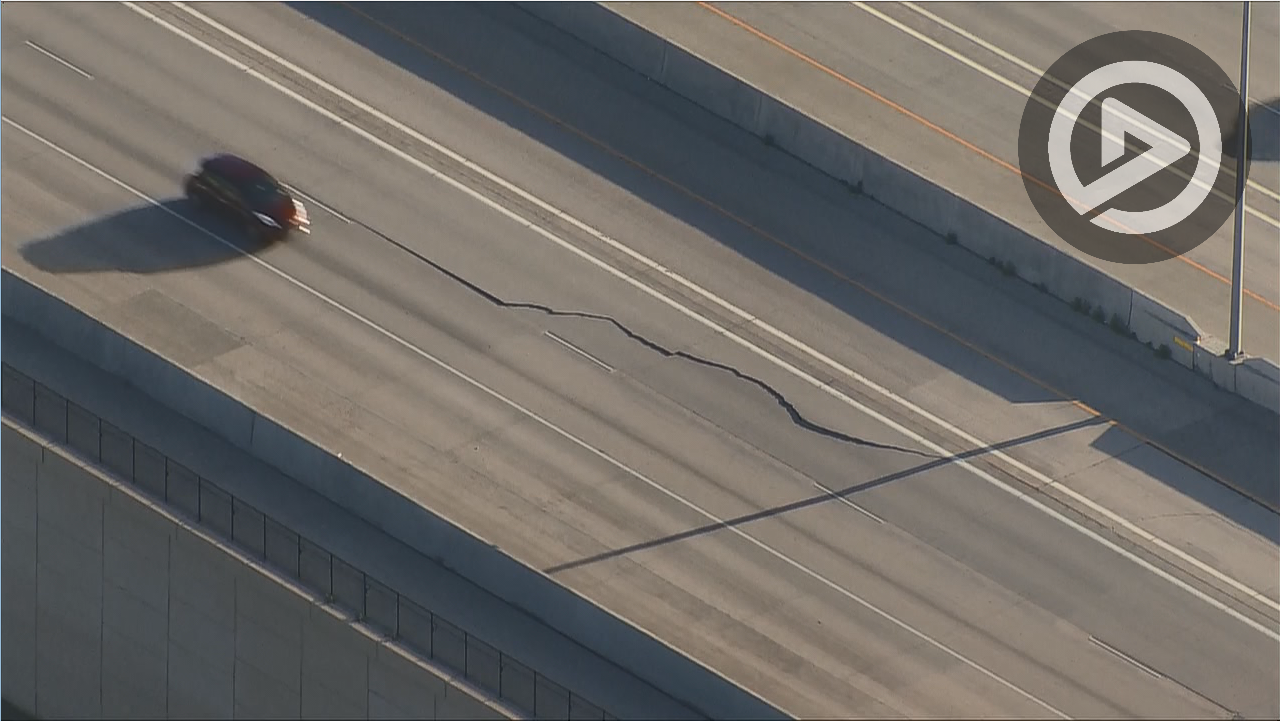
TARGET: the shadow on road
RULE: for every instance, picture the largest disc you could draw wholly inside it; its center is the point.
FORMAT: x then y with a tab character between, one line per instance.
1264	127
1261	523
449	52
1264	134
142	239
812	500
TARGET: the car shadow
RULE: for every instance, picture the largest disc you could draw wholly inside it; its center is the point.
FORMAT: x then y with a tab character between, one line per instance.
448	44
142	239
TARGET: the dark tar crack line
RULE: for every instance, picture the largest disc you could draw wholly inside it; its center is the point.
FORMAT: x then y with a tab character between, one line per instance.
782	401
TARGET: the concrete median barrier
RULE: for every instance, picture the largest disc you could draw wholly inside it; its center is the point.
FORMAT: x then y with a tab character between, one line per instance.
1162	326
376	503
1257	380
939	209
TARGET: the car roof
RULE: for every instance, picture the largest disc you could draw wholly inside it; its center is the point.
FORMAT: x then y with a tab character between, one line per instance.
237	168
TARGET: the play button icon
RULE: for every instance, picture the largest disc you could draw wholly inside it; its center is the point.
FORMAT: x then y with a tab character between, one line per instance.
1119	121
1132	150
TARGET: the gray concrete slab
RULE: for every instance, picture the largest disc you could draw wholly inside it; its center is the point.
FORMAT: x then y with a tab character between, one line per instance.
394	691
337	664
134	677
18	546
197	687
661	563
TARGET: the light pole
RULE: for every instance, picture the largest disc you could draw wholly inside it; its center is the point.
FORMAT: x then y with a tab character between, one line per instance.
1234	351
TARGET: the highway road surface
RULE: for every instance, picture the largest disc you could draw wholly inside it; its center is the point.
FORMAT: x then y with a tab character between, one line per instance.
935	86
556	305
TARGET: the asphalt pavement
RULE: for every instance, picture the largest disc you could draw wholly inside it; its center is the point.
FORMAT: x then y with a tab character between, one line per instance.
629	432
966	70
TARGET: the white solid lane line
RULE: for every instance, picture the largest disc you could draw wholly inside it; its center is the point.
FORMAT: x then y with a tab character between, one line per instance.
1029	93
747	319
837	497
575	349
723	523
58	59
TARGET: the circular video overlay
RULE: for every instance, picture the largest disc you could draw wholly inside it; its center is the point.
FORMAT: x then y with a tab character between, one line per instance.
1128	147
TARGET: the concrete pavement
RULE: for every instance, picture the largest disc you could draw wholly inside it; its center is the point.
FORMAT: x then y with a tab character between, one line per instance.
858	66
707	425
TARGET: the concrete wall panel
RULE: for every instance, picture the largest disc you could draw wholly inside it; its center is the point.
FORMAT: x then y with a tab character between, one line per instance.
134	614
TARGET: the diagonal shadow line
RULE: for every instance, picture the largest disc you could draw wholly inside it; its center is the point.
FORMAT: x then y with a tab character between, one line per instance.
819	499
796	417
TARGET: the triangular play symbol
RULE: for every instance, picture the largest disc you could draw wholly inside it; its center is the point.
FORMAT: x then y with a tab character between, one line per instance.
1119	121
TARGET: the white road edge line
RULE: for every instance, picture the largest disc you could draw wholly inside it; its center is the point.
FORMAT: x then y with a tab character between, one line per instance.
747	318
545	423
847	502
317	203
54	57
607	368
1029	93
1125	657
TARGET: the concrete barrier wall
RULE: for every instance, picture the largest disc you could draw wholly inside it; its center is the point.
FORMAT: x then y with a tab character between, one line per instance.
429	533
390	587
940	210
117	608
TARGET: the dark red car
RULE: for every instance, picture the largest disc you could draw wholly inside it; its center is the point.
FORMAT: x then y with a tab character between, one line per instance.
248	193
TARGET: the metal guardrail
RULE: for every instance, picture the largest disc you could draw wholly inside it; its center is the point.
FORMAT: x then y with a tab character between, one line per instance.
373	603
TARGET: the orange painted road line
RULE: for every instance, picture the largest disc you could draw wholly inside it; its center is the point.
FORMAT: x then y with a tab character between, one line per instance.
961	141
801	254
